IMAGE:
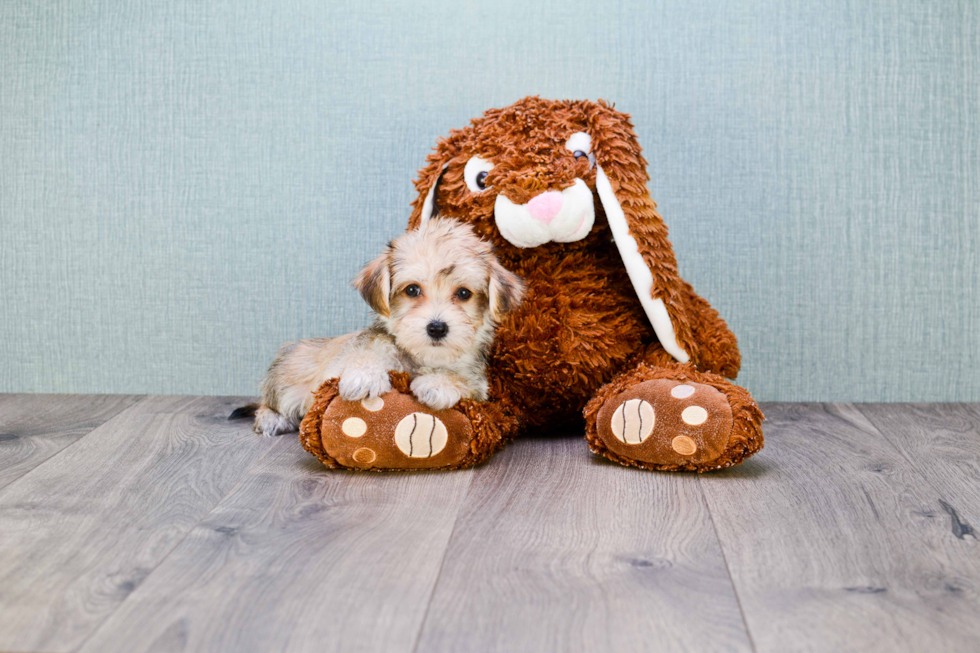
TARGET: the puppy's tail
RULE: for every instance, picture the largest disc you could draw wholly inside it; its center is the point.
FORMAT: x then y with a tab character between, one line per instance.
242	412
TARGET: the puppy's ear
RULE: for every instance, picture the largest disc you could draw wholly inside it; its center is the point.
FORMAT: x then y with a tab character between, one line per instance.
506	291
374	283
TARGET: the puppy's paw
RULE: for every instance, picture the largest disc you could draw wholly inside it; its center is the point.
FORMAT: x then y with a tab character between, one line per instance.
437	391
358	383
269	422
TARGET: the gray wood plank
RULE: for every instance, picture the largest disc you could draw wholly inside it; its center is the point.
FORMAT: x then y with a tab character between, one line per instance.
298	558
35	427
559	550
835	542
82	530
943	442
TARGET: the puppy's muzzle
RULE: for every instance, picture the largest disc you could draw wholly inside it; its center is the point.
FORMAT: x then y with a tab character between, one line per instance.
437	330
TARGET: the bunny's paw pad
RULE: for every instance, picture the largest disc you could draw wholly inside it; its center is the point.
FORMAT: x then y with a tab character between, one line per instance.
394	432
666	424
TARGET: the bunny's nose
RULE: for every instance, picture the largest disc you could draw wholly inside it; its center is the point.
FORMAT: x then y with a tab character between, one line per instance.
545	206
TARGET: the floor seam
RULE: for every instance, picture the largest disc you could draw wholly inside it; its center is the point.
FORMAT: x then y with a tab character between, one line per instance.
911	463
139	400
442	563
177	544
728	569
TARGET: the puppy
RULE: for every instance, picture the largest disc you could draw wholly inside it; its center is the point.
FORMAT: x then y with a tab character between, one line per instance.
439	293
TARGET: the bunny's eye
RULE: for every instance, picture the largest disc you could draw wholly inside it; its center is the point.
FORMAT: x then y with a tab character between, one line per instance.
475	174
580	145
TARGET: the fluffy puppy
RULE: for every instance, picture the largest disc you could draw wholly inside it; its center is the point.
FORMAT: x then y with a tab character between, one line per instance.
439	293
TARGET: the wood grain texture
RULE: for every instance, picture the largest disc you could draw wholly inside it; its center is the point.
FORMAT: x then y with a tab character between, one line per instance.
168	528
35	427
943	442
559	550
82	530
298	558
835	542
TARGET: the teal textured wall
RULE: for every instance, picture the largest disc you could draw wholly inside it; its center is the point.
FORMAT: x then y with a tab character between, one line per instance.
184	185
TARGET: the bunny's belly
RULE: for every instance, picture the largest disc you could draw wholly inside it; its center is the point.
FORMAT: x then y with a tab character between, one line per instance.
579	324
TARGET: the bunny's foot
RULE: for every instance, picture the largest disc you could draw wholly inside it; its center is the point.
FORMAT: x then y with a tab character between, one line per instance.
673	418
395	432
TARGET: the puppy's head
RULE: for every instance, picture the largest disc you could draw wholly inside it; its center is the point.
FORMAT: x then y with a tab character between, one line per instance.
440	291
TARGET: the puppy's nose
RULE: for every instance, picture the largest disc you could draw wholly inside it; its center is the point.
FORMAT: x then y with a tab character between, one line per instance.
545	207
437	330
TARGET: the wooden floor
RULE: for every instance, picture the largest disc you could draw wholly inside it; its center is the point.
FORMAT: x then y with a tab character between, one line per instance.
154	524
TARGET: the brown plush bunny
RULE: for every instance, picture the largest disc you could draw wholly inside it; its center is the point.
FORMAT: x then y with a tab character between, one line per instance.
607	326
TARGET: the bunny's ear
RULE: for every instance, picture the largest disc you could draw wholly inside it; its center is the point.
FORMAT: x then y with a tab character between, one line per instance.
639	231
426	205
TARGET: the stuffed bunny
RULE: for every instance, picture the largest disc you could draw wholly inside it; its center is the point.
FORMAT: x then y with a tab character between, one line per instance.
607	329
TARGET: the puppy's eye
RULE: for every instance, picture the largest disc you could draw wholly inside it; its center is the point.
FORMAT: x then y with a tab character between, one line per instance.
579	154
413	290
463	294
475	174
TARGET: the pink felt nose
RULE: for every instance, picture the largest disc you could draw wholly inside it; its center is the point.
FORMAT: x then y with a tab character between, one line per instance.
545	206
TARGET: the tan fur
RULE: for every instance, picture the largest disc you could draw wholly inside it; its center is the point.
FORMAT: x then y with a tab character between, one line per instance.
440	258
